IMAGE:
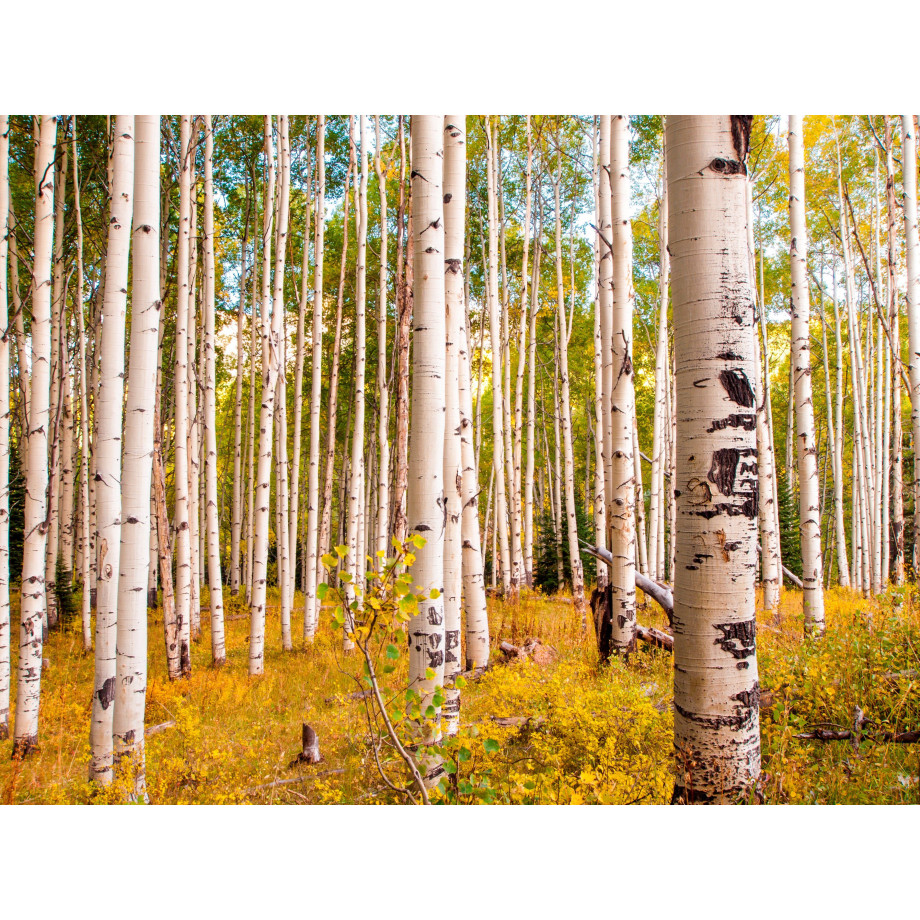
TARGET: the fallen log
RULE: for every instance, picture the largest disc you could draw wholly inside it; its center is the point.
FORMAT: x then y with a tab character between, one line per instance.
655	637
790	576
292	781
658	592
824	734
532	649
156	729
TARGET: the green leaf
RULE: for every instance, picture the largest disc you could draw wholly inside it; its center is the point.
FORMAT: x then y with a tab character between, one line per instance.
450	767
491	745
328	561
388	668
464	754
417	540
459	682
435	594
345	576
342	551
322	590
431	712
392	652
429	674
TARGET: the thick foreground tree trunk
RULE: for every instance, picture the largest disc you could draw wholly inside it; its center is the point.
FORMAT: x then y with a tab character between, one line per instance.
716	689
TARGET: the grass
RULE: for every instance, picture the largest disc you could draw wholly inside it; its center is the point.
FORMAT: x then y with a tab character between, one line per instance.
582	732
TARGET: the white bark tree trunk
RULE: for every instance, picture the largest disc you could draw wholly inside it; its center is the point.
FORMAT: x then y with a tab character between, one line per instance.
716	689
108	420
311	604
28	687
383	392
131	630
425	498
912	247
215	579
4	434
809	499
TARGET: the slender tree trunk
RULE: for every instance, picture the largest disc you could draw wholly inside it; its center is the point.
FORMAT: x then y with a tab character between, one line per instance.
578	580
4	433
912	247
270	365
215	579
108	448
716	702
131	631
531	415
498	440
809	504
620	465
180	394
383	392
425	509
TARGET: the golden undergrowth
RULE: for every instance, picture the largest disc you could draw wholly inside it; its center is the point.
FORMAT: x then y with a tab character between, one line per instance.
572	730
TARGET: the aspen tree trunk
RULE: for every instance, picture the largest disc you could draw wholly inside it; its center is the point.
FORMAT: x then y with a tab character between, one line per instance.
254	318
716	689
809	500
194	423
356	563
28	687
555	469
282	532
311	607
57	369
272	331
620	465
108	448
426	449
332	412
131	631
180	394
839	520
894	323
294	514
531	415
67	468
454	200
236	524
831	433
266	419
19	323
4	433
85	540
498	442
404	284
578	580
656	518
383	392
517	454
912	249
215	579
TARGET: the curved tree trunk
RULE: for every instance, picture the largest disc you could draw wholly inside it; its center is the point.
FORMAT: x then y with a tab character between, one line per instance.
716	689
131	630
108	448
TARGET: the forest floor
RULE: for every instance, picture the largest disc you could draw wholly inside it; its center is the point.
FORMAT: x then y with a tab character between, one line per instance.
566	730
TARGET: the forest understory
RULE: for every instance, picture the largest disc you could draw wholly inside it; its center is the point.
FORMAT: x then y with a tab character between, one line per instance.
562	728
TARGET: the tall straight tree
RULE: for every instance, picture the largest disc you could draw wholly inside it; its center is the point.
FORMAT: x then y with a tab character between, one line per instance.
909	167
215	580
809	499
108	447
311	607
425	493
28	687
383	392
131	629
4	434
183	594
716	689
621	492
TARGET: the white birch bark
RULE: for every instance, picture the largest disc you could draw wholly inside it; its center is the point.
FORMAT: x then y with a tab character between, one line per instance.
454	201
183	593
4	433
620	465
215	579
425	498
311	604
716	689
498	441
531	417
28	687
108	418
912	249
383	392
131	630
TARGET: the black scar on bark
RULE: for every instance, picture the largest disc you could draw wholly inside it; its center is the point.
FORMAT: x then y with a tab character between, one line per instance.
447	198
106	693
738	387
746	421
435	618
738	639
749	698
723	467
728	167
422	527
729	356
453	266
741	134
735	722
435	658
